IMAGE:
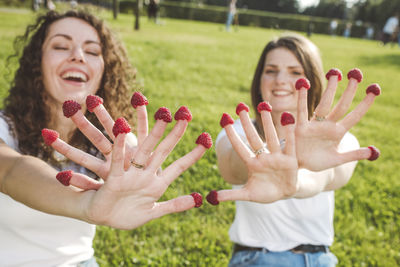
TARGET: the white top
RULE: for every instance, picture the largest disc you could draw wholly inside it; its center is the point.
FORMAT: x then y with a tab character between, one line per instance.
32	238
285	224
391	25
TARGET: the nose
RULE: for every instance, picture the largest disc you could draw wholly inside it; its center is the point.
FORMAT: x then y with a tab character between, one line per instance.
77	55
282	77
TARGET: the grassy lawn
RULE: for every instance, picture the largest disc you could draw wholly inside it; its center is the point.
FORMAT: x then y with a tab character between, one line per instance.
198	65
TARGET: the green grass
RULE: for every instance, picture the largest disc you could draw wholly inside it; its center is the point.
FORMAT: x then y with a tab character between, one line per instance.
199	65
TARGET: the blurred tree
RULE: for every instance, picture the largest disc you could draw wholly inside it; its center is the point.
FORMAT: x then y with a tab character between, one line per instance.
328	9
376	11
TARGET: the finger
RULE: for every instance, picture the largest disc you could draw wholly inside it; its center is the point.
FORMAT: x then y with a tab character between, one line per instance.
178	204
347	97
118	155
251	133
324	106
355	116
145	150
92	133
370	153
105	119
238	145
287	121
86	160
182	164
268	125
78	180
167	145
142	124
214	197
302	85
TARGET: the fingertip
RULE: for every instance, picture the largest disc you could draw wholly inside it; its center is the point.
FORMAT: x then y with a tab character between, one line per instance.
121	126
287	119
334	72
205	140
240	107
70	107
374	89
164	114
212	197
49	136
183	113
302	83
64	177
225	120
355	74
264	106
198	199
138	99
375	153
93	101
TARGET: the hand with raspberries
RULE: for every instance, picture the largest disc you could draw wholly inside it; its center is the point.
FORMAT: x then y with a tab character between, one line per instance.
271	175
318	138
128	197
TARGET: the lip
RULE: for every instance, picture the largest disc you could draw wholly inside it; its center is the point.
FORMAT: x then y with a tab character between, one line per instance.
74	70
281	93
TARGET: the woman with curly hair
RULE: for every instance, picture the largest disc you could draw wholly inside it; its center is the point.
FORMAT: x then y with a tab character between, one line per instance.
68	57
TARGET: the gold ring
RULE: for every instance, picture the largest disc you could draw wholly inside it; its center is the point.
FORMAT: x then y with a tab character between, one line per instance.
137	165
108	152
259	151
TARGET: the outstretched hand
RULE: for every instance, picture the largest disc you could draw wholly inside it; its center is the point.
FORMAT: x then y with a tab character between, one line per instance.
317	139
128	198
271	176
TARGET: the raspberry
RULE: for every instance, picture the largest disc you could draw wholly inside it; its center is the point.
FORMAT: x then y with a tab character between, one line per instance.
183	113
334	72
92	101
49	136
302	82
198	199
355	74
241	106
70	107
374	88
205	140
287	118
138	99
164	114
225	120
374	153
64	177
212	197
264	106
121	126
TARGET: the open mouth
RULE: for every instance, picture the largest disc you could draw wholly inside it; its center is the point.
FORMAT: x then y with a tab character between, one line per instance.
74	76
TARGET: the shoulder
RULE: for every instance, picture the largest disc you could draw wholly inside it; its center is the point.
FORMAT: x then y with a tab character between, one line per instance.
5	131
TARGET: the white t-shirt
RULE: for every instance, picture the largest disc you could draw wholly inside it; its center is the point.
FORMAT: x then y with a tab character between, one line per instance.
33	238
285	224
391	25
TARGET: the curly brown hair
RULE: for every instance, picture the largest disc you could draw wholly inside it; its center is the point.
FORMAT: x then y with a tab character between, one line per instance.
25	104
308	56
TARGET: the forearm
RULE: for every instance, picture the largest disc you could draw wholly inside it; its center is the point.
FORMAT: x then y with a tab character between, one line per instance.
313	183
32	182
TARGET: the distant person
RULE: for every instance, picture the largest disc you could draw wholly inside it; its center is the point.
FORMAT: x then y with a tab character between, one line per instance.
347	30
369	32
152	10
310	28
231	15
390	29
332	27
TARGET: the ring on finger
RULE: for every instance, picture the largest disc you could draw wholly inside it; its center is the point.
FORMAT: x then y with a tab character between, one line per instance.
260	151
109	151
319	118
137	165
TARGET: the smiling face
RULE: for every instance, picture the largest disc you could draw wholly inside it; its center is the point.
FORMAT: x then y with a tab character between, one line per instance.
72	61
277	82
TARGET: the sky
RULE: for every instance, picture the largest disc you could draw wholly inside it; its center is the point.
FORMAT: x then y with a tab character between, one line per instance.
307	3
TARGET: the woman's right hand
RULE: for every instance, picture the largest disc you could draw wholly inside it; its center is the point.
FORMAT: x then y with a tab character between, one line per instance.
271	176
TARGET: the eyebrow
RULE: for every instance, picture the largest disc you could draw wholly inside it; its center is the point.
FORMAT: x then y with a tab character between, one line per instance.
290	67
70	38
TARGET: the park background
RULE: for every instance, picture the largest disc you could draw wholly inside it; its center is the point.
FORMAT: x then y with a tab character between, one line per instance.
198	64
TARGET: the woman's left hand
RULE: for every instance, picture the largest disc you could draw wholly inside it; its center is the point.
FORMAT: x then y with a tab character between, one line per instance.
317	139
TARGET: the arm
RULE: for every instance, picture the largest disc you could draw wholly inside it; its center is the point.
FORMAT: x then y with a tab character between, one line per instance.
31	181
